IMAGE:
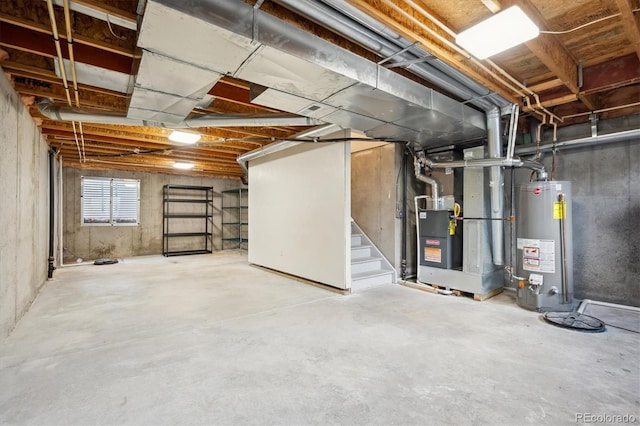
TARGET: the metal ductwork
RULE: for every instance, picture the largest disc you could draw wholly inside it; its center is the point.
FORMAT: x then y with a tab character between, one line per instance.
63	113
362	29
297	71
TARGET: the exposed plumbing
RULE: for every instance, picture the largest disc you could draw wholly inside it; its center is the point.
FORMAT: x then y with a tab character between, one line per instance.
419	164
63	72
601	139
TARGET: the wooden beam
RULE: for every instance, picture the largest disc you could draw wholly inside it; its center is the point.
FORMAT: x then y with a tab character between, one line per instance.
77	38
109	10
21	70
41	43
492	5
400	23
551	52
565	99
55	90
152	168
611	75
546	85
145	140
630	24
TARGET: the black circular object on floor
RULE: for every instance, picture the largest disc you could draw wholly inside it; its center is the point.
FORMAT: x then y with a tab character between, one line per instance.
575	321
105	261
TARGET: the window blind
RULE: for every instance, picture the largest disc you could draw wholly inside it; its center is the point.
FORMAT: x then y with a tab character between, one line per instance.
110	201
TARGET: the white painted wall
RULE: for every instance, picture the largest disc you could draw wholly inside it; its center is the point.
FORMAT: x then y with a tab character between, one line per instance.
299	212
24	209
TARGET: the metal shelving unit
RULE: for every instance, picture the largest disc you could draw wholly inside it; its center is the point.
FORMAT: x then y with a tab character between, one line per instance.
235	217
189	210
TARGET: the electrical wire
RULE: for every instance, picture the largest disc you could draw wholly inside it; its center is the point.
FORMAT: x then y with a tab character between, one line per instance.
583	25
587	24
111	30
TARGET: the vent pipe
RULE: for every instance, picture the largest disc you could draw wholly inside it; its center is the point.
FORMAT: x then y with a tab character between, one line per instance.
61	113
496	186
418	166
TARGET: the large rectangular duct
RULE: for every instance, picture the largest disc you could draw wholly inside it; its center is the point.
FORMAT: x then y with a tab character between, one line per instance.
302	73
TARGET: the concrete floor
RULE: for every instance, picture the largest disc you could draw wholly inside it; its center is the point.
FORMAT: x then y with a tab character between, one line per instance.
211	340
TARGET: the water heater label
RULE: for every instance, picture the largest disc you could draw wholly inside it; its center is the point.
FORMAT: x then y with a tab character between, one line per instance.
538	255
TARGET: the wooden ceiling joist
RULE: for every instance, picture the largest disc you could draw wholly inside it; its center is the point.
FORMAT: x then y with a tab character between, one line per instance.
40	43
631	24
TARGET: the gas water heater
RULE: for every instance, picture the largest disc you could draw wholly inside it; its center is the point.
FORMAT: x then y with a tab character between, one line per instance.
544	247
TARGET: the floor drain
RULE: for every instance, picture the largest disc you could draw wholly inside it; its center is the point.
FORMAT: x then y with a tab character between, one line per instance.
575	321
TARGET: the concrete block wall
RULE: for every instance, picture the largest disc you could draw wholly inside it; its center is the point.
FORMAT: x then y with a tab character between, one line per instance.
94	242
24	208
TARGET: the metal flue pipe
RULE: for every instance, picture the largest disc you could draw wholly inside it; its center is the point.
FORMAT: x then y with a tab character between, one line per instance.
496	186
435	192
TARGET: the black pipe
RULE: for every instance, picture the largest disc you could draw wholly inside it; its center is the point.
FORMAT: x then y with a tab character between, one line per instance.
50	267
403	263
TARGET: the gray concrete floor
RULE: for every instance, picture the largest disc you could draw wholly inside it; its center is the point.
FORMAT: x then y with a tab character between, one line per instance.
211	340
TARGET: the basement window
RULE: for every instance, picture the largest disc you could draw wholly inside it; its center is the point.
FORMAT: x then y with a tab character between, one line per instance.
110	202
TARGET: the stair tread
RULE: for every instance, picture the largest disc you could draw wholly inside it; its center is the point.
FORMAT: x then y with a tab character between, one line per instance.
361	246
367	274
365	259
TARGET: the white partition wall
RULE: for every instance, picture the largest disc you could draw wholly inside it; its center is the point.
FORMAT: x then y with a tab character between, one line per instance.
299	212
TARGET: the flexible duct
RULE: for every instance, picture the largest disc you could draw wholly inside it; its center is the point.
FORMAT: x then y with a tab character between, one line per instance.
53	112
496	186
361	29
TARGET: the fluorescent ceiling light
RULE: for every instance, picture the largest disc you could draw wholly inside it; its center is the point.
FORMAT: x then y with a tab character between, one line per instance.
184	137
502	31
183	166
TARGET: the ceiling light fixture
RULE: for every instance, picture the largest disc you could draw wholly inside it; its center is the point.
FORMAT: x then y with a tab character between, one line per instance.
500	32
183	166
184	137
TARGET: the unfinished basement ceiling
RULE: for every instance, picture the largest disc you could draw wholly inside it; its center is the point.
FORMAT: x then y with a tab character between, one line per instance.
166	65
